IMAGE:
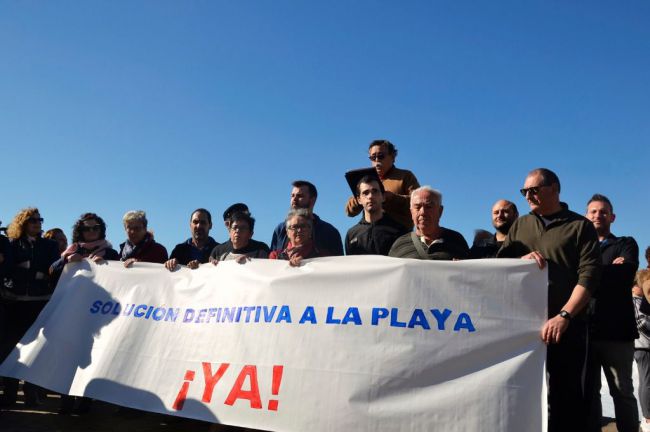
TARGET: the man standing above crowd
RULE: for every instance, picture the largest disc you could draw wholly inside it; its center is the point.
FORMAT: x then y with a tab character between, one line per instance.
325	236
398	184
430	241
196	249
376	231
139	244
504	214
612	324
567	242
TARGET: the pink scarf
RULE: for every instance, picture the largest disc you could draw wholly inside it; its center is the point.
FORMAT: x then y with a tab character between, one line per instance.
92	249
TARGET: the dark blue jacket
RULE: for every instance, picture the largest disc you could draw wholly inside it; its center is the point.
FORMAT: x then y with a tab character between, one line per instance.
186	251
326	237
32	279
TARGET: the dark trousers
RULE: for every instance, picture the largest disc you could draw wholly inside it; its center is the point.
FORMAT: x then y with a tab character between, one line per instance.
565	367
642	358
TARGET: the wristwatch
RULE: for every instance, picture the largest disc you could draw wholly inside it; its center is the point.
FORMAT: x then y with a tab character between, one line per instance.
566	315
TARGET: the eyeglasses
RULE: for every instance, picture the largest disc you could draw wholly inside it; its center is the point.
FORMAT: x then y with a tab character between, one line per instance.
377	157
533	190
239	228
96	228
299	227
35	220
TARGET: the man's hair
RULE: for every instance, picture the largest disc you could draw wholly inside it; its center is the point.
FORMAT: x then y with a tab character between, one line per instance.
601	198
16	228
135	215
77	228
299	212
381	142
436	194
204	211
647	255
241	216
367	179
49	234
548	177
310	187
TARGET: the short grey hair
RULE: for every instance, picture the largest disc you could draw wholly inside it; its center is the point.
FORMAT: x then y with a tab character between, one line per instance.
135	215
435	193
305	213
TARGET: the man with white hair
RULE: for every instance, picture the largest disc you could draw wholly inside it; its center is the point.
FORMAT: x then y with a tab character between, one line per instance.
140	245
429	241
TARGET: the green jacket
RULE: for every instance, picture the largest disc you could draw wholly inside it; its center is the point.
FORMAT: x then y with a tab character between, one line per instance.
570	245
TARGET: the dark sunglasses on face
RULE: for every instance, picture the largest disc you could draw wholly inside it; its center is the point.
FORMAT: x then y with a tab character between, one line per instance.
96	228
35	220
377	157
533	190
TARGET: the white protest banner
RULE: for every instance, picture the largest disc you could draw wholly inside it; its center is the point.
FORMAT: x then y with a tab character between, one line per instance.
338	344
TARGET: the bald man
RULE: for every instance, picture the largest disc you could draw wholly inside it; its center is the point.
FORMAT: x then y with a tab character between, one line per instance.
504	214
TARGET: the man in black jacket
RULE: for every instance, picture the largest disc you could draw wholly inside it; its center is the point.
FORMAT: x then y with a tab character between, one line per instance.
195	250
612	321
376	231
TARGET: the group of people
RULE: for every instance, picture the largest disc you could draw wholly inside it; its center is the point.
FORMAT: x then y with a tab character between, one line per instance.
595	310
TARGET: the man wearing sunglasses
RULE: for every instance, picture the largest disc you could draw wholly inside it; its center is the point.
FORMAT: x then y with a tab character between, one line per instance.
567	243
398	184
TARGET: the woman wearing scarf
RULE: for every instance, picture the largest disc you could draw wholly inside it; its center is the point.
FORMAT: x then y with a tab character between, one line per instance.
301	245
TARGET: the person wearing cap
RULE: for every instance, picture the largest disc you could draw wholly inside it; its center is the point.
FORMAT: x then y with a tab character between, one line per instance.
196	249
376	231
324	235
398	184
235	208
429	241
241	246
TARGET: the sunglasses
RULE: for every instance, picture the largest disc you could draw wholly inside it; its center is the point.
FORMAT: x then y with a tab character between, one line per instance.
95	228
35	220
533	190
377	157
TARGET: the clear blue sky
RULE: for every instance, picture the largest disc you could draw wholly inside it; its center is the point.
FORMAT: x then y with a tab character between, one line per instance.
109	106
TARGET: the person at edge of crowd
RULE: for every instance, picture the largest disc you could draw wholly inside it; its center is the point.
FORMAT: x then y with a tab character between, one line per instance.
139	244
642	345
196	249
324	235
29	289
88	242
429	241
612	324
301	245
235	208
398	184
376	231
58	236
567	243
504	214
241	246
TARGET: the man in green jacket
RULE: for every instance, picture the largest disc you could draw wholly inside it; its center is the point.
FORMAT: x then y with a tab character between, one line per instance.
567	244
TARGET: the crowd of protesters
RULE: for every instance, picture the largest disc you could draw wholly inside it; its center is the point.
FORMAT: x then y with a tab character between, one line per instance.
599	315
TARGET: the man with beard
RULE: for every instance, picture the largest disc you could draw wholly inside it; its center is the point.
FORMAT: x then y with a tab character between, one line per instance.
567	243
324	235
398	184
376	231
430	241
612	323
196	249
504	214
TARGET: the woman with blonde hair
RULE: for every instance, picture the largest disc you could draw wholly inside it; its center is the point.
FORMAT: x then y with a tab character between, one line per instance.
28	288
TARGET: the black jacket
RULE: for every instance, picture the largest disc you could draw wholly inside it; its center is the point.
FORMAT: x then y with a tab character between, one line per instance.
612	312
186	251
31	262
373	238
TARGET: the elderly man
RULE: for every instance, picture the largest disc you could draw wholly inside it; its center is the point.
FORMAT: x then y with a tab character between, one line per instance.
398	184
504	214
196	249
376	231
241	246
325	236
140	245
612	324
566	242
430	240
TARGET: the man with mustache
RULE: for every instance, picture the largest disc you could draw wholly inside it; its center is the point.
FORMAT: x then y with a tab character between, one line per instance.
504	214
196	249
398	184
